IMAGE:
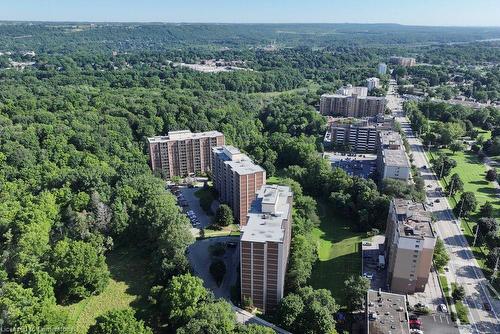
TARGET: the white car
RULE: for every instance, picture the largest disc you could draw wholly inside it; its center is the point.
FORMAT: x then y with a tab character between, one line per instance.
443	308
368	275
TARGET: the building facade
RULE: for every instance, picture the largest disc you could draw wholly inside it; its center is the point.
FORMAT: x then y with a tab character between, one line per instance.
357	135
403	61
392	161
237	179
183	153
372	83
265	246
351	106
409	246
382	68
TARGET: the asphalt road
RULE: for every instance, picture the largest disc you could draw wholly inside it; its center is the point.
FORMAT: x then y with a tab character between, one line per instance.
464	268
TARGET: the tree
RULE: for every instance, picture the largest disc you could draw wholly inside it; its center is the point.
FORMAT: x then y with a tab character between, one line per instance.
211	318
254	329
119	322
458	293
440	256
466	205
486	210
218	270
355	288
491	175
183	296
79	269
456	146
455	185
302	257
224	216
488	229
311	311
443	165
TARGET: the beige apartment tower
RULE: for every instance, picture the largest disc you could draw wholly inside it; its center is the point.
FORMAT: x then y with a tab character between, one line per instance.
183	153
351	105
237	179
265	246
409	244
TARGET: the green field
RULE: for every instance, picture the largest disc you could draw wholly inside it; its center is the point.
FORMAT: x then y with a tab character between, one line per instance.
339	250
472	173
129	286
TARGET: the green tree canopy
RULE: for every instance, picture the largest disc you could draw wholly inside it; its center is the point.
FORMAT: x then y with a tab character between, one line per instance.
119	322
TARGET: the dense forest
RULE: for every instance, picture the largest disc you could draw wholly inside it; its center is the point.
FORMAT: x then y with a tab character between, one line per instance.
74	177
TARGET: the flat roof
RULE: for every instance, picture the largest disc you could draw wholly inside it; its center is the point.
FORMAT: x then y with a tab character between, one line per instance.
266	227
239	162
390	137
395	158
182	135
386	313
413	220
352	97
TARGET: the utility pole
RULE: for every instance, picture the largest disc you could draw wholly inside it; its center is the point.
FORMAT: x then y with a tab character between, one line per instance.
451	186
461	207
475	237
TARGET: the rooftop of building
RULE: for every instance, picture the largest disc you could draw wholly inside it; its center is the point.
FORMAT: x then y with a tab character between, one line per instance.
267	213
238	161
386	313
413	219
378	98
395	158
182	135
390	138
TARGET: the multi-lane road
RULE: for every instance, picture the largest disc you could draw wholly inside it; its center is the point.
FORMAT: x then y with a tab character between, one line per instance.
463	267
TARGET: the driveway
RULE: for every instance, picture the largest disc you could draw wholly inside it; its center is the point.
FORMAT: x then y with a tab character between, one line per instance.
194	205
200	259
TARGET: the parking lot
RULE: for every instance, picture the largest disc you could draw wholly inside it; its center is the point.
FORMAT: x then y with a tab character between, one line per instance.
361	165
191	206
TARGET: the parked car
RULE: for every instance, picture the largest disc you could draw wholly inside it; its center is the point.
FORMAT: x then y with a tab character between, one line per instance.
415	324
413	317
443	308
487	306
437	200
368	275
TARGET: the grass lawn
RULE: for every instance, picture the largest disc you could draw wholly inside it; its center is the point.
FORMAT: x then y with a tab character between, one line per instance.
311	86
472	173
231	230
339	250
129	286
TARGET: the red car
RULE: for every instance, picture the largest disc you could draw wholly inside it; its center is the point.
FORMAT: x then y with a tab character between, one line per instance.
415	324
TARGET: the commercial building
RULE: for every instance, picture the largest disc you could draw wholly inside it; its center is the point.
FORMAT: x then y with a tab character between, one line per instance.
237	179
357	135
382	68
386	313
183	153
372	83
265	246
409	246
351	105
403	61
392	161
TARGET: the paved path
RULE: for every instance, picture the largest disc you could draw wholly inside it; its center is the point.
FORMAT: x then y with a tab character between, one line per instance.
464	268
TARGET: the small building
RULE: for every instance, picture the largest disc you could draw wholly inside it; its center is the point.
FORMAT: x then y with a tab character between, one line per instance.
386	313
392	160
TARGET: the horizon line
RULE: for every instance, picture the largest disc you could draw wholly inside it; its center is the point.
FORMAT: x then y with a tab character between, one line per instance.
248	23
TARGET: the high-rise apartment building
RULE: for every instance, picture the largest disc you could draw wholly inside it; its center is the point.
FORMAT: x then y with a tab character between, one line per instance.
265	246
382	68
403	61
237	179
409	246
351	106
183	153
372	83
392	161
357	135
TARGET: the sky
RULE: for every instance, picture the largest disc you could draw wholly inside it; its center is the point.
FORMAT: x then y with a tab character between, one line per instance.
411	12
